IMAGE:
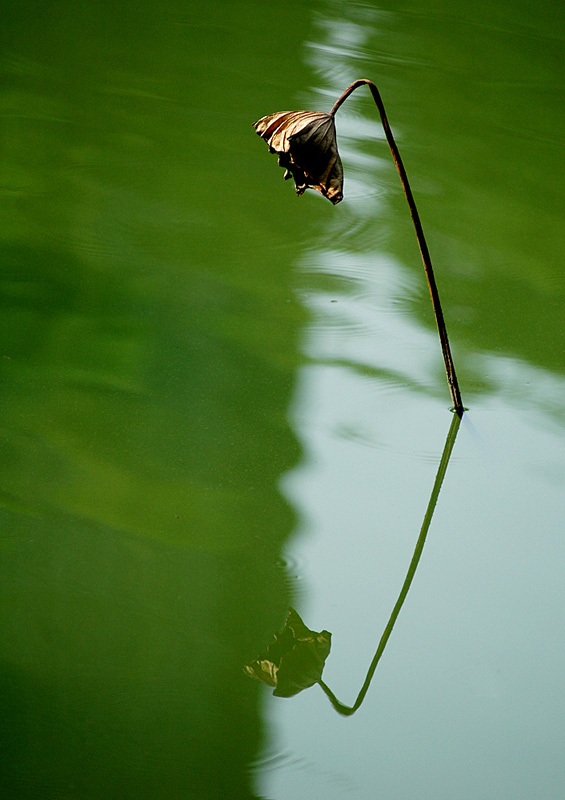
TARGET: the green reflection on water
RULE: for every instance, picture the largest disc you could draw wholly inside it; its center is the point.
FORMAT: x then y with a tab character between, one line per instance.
148	349
477	97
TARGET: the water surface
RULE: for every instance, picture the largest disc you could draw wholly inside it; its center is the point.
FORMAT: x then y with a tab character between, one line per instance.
219	400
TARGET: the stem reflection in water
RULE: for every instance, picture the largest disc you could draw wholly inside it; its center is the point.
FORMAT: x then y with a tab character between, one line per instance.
296	658
446	455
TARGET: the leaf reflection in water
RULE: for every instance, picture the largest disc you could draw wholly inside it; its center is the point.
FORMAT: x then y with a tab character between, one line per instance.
295	660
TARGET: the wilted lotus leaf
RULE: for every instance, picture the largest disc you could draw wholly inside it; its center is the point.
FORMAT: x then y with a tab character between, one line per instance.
306	144
294	660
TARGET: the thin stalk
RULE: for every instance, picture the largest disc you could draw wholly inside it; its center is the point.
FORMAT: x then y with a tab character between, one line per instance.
446	455
446	350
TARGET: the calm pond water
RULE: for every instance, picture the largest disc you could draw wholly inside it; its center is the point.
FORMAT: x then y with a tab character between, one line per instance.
219	401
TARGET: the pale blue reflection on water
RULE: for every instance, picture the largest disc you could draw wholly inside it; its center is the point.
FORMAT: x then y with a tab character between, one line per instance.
466	702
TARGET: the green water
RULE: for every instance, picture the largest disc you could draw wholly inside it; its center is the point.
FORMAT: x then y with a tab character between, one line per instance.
218	400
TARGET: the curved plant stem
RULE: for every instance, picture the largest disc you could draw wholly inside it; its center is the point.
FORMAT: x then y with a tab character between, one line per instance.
447	450
446	350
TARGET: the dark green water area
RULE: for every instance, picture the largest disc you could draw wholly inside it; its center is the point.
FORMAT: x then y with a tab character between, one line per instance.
219	401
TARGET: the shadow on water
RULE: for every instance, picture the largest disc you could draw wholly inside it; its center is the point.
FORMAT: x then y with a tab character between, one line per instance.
295	660
131	498
147	363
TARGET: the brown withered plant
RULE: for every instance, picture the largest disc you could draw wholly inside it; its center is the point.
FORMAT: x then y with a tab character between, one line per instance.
306	144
